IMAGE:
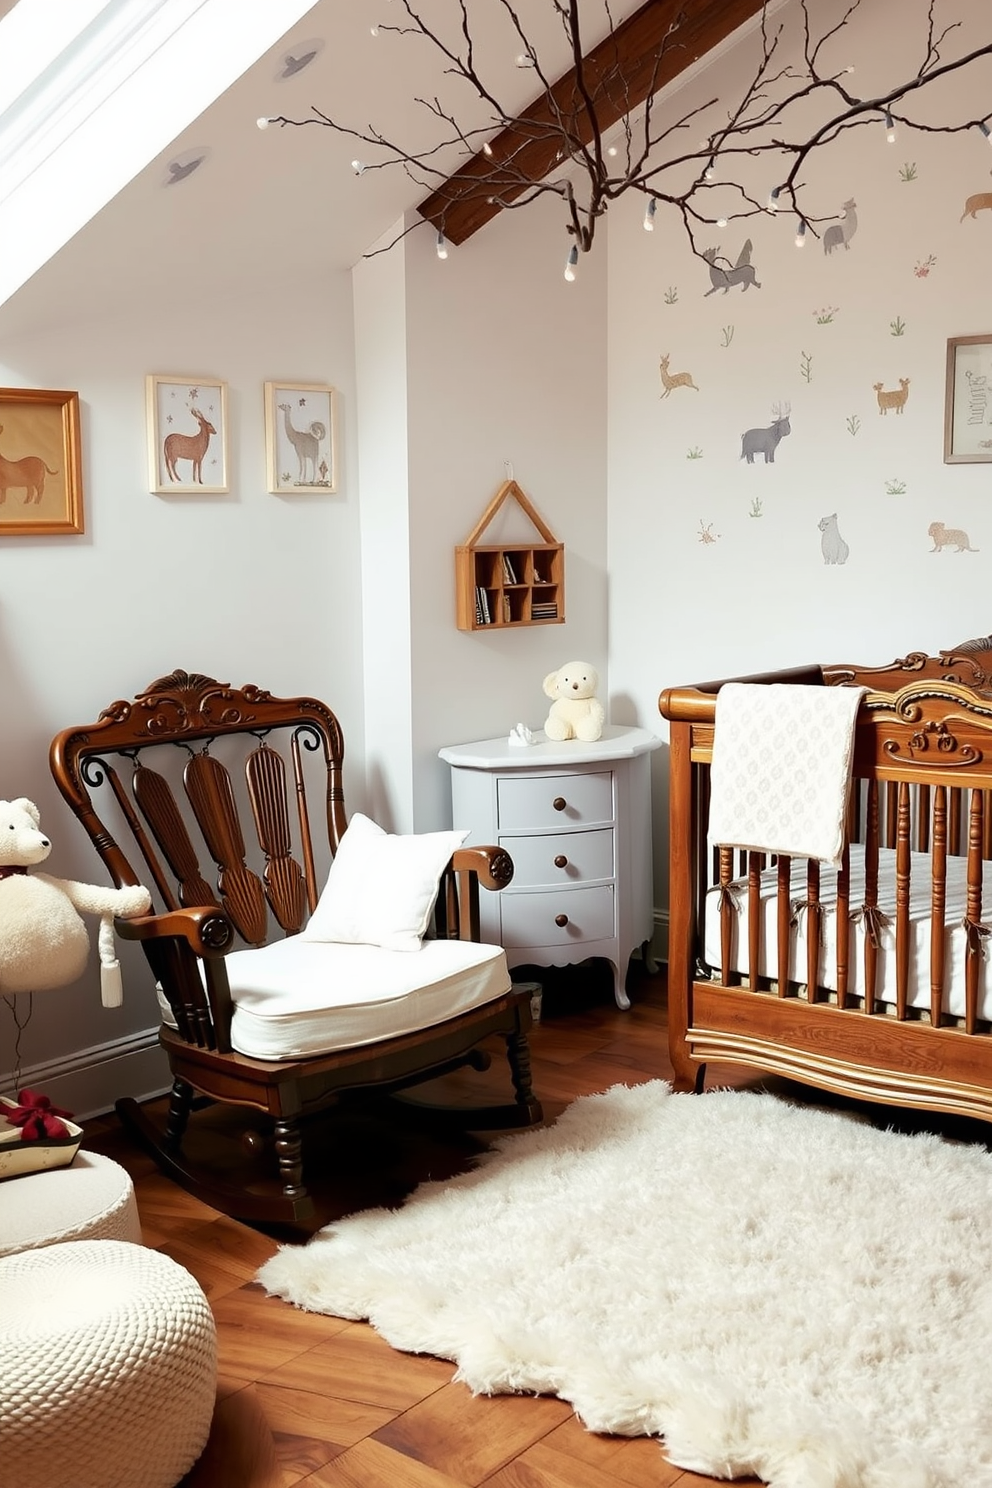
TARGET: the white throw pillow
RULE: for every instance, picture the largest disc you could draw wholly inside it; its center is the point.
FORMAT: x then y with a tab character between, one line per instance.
381	889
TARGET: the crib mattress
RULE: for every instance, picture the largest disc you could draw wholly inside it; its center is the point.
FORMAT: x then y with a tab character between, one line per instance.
955	935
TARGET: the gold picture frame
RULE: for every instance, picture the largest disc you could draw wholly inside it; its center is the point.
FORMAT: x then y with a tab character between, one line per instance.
968	400
301	442
187	435
41	486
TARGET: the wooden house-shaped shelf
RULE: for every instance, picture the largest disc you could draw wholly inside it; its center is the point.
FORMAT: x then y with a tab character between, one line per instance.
506	584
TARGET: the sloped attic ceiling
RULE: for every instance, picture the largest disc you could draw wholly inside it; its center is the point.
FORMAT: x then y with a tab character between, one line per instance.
259	204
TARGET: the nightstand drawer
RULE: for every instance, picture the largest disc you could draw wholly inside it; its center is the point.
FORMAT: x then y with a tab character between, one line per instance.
545	802
566	858
532	919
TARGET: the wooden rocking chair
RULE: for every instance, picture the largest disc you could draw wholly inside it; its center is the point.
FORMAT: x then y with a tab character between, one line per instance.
291	1025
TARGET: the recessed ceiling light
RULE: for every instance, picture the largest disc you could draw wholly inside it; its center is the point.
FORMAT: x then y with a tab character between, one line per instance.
298	57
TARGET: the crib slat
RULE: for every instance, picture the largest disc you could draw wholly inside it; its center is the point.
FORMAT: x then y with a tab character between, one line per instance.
843	924
902	898
784	919
973	923
923	819
726	913
987	828
938	900
754	862
891	809
954	822
871	894
813	913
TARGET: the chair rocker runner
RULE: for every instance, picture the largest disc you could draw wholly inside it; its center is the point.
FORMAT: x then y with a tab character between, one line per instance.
291	1024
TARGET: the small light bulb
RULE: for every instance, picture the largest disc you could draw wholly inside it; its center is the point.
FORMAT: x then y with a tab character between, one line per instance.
487	148
773	198
263	122
801	235
708	172
985	130
650	208
522	60
849	67
611	150
721	222
373	30
442	246
570	262
358	166
890	129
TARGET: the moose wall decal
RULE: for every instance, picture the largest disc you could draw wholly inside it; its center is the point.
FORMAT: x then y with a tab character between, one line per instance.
765	441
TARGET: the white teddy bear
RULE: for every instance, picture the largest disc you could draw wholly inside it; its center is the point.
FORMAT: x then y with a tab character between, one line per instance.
575	712
43	941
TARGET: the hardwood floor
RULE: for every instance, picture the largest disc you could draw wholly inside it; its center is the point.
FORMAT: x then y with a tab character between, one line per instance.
306	1399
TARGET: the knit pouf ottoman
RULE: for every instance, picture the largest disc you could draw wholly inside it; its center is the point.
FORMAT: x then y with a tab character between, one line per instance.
91	1199
108	1367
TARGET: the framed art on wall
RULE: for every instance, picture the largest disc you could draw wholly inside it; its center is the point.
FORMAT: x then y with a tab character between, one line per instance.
968	400
300	437
187	434
41	492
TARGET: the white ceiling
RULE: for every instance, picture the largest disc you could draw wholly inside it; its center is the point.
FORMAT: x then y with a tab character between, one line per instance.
264	202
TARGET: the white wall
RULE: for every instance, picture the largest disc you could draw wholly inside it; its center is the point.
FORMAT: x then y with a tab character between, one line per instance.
504	362
246	587
760	594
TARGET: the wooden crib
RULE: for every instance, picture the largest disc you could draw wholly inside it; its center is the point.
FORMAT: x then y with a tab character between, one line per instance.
886	987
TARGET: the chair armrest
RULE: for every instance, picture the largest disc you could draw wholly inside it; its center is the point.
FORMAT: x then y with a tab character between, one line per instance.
205	928
493	865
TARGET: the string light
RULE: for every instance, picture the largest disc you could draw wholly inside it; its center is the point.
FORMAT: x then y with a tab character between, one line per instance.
890	128
801	234
571	261
358	166
487	148
773	198
721	222
523	60
708	172
650	208
263	122
985	130
611	150
442	246
373	30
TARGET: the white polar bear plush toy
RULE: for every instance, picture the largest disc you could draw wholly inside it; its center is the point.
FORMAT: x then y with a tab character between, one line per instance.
43	941
575	713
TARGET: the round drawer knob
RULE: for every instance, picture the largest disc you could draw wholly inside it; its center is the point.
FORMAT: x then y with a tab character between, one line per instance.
559	803
561	921
561	861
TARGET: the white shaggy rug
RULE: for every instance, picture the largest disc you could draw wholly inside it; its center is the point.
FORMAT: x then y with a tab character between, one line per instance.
775	1291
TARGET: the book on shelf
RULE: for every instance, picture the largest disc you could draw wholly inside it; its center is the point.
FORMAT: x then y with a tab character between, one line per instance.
509	572
483	615
541	609
506	609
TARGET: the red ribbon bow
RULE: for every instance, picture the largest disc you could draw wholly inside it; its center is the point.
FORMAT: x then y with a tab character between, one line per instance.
36	1116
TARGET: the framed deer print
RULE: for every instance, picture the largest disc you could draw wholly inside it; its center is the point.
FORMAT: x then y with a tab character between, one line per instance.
41	490
968	400
300	437
187	434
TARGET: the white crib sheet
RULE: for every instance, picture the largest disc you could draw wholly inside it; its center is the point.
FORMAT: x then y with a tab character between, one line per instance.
955	936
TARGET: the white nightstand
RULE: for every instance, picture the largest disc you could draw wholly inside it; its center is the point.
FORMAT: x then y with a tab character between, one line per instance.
576	820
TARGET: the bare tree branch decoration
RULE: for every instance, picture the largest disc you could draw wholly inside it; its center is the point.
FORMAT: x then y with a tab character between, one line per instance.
557	145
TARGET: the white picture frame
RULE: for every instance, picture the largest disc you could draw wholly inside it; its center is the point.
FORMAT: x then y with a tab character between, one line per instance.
968	401
187	434
301	444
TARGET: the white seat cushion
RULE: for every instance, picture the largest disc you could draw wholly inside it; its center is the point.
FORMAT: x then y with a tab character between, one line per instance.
297	997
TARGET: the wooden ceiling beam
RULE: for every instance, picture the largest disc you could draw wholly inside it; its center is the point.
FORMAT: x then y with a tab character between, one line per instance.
461	205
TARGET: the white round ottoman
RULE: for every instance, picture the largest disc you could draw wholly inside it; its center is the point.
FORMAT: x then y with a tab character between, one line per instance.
91	1199
108	1367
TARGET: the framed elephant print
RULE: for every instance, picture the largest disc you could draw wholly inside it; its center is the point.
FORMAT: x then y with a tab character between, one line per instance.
187	435
41	490
301	446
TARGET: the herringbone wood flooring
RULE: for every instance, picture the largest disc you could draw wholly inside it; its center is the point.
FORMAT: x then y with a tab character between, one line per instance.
305	1399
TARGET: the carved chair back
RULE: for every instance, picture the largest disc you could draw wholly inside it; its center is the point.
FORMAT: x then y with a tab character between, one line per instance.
224	800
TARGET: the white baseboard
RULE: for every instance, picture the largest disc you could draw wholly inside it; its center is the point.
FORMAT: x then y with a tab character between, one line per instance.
659	940
89	1081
